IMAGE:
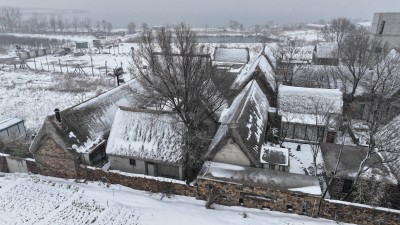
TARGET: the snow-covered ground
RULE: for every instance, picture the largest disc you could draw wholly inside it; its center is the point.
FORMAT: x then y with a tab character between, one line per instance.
34	199
32	96
302	160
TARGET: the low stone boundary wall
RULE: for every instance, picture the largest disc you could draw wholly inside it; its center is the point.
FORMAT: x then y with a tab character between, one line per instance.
359	214
237	194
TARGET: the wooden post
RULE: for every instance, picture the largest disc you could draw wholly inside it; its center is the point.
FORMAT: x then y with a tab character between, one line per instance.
48	66
106	69
66	65
91	60
54	69
41	64
59	62
34	61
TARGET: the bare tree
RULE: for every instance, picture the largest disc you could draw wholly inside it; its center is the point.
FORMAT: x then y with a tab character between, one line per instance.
53	23
289	56
87	24
60	23
175	70
131	28
75	23
144	26
356	58
10	18
338	30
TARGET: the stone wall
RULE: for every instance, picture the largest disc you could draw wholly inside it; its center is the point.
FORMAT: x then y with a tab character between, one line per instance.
235	194
358	214
53	161
142	183
3	164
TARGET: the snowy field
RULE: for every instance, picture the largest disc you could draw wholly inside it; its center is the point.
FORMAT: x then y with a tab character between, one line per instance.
34	199
31	96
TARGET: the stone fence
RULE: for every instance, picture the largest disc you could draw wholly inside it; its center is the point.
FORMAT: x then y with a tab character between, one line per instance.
238	195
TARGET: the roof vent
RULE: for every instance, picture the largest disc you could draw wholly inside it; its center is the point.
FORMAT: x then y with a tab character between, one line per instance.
57	112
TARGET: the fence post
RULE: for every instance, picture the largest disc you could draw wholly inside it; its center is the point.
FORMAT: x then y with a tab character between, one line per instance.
48	66
106	68
91	60
59	62
34	61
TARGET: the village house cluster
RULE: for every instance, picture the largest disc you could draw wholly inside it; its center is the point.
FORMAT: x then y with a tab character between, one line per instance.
274	140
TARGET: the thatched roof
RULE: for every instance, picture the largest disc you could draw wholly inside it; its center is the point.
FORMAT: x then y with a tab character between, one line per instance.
245	122
146	134
87	124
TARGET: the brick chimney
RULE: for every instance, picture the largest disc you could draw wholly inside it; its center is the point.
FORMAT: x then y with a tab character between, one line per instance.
58	116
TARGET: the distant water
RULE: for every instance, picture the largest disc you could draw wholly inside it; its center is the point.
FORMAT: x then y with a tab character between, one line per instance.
230	39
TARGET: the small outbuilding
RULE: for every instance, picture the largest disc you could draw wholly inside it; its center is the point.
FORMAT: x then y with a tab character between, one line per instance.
326	53
12	129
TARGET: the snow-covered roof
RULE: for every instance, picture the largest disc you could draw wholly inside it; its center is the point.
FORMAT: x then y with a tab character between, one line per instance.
270	56
305	104
274	155
256	177
259	66
85	125
234	55
4	124
146	134
326	50
350	161
245	121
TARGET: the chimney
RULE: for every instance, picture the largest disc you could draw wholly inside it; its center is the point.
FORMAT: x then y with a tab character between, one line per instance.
57	112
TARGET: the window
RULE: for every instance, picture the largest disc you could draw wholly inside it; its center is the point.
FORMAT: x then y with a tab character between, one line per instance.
347	185
132	162
382	27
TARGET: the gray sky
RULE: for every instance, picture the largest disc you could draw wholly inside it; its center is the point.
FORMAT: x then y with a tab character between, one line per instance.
214	12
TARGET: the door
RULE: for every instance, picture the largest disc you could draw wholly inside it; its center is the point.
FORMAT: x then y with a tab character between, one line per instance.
151	169
330	137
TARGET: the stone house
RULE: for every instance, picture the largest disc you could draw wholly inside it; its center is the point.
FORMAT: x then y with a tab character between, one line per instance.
146	142
240	139
78	135
309	115
386	28
326	53
375	172
12	129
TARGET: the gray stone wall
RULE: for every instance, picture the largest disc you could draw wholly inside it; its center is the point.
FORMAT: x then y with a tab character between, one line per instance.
53	161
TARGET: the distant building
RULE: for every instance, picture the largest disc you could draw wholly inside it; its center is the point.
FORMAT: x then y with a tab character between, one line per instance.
386	28
326	53
12	129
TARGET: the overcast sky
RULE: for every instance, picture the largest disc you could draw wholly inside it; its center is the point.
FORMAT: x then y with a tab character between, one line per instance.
214	12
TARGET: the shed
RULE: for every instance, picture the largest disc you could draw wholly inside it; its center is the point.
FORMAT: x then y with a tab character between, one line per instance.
326	53
12	129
